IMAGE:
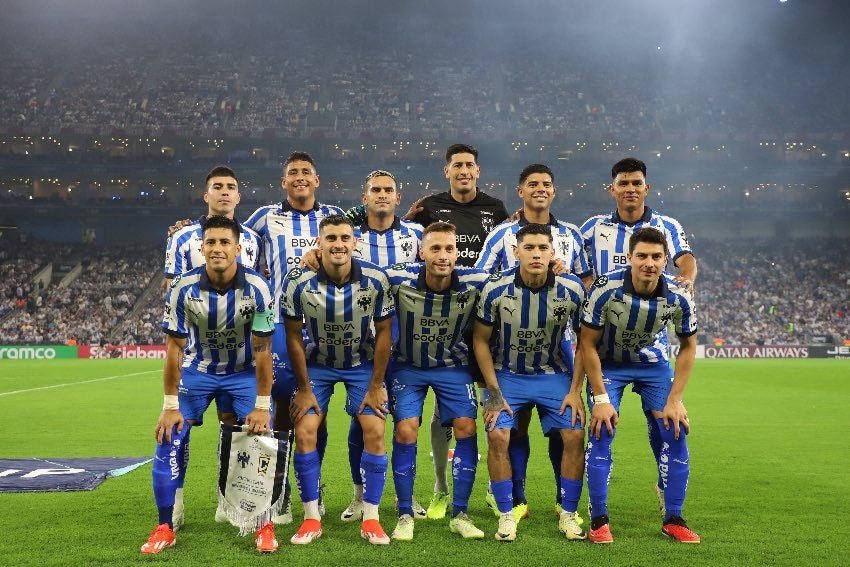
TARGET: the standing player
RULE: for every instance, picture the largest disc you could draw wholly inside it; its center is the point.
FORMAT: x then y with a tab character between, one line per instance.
537	190
532	308
606	239
183	253
339	304
289	229
210	312
183	250
474	214
434	303
383	239
621	344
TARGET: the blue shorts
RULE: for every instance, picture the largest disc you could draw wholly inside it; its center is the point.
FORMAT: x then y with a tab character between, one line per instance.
283	386
198	389
356	380
545	391
652	382
453	388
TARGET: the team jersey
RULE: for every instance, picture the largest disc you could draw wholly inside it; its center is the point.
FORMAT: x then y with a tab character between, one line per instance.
399	243
431	323
631	324
287	234
473	220
338	317
183	250
218	323
606	238
530	322
498	251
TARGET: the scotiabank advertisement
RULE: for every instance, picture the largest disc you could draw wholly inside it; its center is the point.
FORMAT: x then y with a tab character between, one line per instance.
122	351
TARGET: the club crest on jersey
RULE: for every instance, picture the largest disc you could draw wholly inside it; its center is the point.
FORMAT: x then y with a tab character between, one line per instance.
560	312
294	273
249	252
364	302
487	223
407	246
462	299
601	281
247	310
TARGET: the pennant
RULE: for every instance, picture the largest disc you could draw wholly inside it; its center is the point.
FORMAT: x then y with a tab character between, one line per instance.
251	474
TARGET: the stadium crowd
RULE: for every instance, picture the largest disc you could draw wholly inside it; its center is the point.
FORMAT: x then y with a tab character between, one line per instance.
248	88
760	294
86	310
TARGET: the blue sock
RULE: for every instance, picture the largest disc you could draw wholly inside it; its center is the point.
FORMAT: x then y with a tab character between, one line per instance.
673	468
404	474
598	466
169	472
556	451
570	493
464	466
355	449
307	469
503	493
519	450
321	442
654	439
374	470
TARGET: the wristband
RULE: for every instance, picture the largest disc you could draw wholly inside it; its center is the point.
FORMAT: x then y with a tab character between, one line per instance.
263	403
170	402
601	399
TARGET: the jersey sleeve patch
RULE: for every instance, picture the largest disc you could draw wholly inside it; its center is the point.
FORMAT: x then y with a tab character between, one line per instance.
601	281
294	273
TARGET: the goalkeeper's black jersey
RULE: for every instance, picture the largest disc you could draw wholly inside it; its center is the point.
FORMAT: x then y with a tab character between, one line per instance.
473	220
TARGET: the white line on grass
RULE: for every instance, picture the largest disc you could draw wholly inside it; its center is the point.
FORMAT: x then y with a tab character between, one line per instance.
75	383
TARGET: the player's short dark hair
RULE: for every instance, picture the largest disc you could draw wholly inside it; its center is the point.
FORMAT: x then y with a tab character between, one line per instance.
533	228
628	165
219	221
647	234
335	220
535	168
461	149
298	156
377	173
220	171
439	226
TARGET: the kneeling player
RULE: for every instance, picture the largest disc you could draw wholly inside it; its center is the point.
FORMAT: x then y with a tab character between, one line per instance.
210	313
531	307
434	303
338	304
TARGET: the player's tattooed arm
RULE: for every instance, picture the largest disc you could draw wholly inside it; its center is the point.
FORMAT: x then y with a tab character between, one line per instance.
177	226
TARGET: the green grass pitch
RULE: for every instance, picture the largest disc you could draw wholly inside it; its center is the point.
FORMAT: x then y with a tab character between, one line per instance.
769	482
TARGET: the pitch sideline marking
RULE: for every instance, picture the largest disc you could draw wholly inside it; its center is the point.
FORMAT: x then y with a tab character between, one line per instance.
75	383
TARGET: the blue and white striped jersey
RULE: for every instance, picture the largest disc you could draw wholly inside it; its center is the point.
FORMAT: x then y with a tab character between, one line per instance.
498	251
183	250
431	323
530	322
218	324
399	243
287	234
631	325
606	239
338	319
